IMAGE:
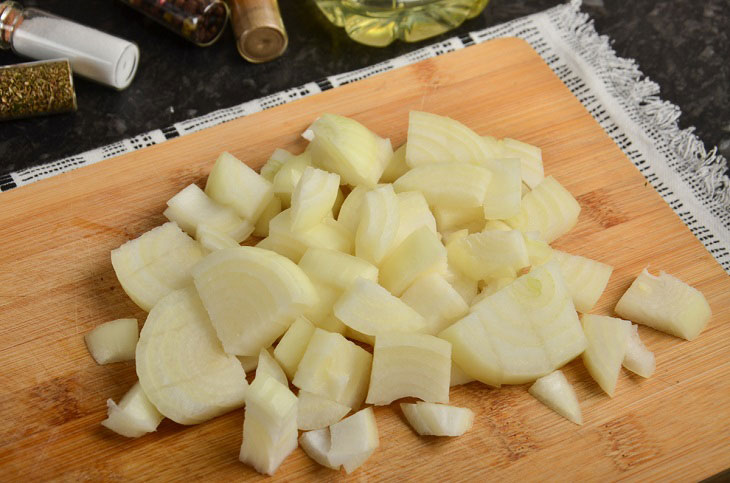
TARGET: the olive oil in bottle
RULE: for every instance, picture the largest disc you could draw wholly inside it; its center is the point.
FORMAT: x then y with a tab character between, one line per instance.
380	22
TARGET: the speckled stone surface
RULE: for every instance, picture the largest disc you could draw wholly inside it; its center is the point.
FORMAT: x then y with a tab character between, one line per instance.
682	45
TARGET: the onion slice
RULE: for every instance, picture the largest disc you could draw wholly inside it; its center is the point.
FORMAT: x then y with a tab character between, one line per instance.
416	365
429	419
181	365
555	392
252	296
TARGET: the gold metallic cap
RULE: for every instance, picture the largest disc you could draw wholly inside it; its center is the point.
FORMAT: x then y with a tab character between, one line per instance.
259	29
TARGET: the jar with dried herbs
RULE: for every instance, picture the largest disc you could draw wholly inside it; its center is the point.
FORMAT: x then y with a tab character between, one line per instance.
36	89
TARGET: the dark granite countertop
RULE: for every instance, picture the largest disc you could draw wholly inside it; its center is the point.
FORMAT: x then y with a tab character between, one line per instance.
683	46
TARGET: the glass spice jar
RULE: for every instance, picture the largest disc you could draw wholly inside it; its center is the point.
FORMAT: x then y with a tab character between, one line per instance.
35	89
200	21
40	35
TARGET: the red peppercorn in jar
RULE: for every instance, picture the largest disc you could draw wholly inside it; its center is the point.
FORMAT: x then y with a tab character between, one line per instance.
199	21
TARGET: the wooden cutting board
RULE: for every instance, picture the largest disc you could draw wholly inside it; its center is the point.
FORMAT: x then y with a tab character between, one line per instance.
57	283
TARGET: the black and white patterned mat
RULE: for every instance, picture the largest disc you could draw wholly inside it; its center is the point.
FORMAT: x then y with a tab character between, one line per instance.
691	179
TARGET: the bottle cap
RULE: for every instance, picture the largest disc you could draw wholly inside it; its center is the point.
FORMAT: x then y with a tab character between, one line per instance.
259	29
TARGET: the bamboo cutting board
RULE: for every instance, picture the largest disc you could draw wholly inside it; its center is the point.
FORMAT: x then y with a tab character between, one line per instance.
57	283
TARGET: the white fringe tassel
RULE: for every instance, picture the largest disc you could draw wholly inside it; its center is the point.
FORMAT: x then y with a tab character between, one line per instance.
643	96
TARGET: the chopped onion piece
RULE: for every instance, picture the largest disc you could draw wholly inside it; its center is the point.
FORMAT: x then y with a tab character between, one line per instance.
335	368
379	220
548	208
233	183
192	206
354	439
447	184
450	218
504	194
270	426
274	163
607	338
335	268
586	278
419	254
404	365
270	289
349	215
134	416
440	139
212	239
555	392
413	213
291	347
436	300
328	234
155	264
489	254
288	175
317	412
346	147
318	446
313	198
113	341
396	166
530	159
520	333
370	309
665	303
638	358
429	419
268	367
181	365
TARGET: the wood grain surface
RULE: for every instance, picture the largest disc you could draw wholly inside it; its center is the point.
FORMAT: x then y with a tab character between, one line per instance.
57	283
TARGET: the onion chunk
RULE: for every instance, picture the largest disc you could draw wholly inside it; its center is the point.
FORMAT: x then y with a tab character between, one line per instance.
334	368
607	340
269	289
404	365
638	358
155	264
181	365
270	426
134	416
555	392
113	341
317	412
429	419
665	303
